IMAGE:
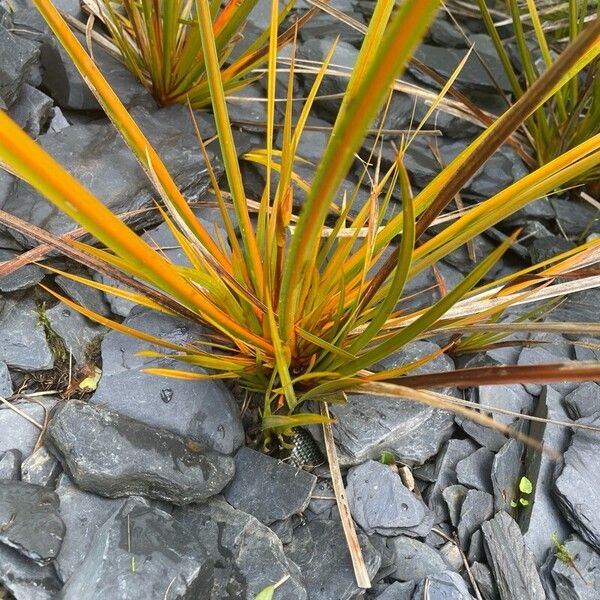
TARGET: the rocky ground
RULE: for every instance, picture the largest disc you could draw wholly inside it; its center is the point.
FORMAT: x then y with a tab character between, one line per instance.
146	487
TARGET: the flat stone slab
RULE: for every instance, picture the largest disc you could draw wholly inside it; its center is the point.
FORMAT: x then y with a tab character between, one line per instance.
580	579
29	520
25	579
577	487
23	342
247	555
83	514
10	464
202	410
326	569
512	563
415	560
380	503
142	552
113	455
267	488
16	432
100	159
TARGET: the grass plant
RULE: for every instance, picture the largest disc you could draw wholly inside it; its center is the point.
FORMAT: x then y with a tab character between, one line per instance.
300	307
295	314
159	41
540	28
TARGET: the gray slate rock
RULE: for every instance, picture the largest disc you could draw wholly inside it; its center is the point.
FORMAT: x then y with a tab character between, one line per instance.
486	436
30	520
83	294
267	488
366	425
506	469
18	433
581	581
202	410
542	518
83	514
326	571
380	503
31	110
445	474
113	455
142	552
23	342
17	58
512	397
500	171
584	401
512	563
105	166
10	464
476	508
21	279
69	90
454	495
537	356
6	386
473	75
41	468
78	333
446	585
415	560
25	579
485	581
398	590
247	555
577	487
474	471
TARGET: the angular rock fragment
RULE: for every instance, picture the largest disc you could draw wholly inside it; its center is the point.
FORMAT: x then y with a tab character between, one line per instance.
485	581
25	579
6	386
584	401
31	110
104	165
113	455
476	508
247	555
445	474
577	575
41	468
23	342
202	410
17	432
512	563
506	470
327	572
21	279
267	488
78	333
454	495
380	502
541	518
398	590
474	471
142	552
83	514
415	560
10	464
17	57
29	520
446	585
577	487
